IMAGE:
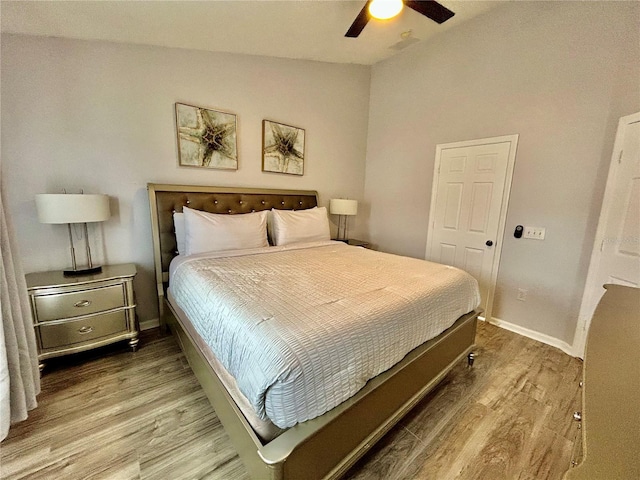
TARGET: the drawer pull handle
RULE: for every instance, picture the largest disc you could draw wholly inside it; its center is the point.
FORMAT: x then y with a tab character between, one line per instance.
82	303
83	330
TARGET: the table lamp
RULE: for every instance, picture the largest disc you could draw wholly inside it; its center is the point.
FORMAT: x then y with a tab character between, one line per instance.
74	208
343	208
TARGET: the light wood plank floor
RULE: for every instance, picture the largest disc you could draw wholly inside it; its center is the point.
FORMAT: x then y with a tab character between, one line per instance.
114	414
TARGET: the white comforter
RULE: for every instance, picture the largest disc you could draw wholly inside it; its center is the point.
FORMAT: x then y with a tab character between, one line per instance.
303	328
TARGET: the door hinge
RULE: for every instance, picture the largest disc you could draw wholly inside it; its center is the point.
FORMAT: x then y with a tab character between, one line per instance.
620	156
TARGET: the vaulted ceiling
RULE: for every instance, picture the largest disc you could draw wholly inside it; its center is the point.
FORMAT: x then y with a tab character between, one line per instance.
300	29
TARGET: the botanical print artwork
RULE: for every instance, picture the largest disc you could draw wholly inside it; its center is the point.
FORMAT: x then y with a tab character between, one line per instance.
282	148
206	138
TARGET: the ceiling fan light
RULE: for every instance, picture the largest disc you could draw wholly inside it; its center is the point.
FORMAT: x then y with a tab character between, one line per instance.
385	9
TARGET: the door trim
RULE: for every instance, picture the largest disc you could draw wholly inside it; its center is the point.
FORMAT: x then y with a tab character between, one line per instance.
587	305
513	140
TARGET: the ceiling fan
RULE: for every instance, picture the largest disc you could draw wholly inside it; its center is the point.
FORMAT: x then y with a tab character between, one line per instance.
428	8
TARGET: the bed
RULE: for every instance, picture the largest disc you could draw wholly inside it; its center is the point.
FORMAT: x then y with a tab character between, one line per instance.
324	446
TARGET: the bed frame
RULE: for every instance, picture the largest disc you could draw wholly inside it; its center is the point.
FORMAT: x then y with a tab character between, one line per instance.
324	447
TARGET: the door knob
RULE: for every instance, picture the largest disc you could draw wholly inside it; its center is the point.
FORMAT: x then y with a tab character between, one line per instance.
489	243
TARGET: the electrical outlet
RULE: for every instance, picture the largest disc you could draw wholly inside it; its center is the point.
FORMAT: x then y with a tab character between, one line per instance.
536	233
522	294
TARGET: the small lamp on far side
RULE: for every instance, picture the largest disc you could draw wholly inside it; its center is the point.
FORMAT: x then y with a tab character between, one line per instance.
74	208
343	208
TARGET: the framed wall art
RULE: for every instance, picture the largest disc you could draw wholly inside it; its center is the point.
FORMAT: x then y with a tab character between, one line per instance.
282	148
206	138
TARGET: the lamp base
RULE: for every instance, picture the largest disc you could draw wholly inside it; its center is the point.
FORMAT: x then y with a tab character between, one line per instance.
82	271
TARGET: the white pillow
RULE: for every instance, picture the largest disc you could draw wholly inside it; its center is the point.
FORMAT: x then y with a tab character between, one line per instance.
178	224
212	232
289	226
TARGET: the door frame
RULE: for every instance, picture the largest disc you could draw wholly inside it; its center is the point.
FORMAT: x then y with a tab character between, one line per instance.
587	307
513	141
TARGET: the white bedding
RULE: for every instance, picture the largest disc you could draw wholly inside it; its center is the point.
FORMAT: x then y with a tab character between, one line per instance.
303	327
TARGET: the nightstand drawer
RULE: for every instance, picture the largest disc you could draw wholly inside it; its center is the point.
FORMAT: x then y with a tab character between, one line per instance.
83	330
65	305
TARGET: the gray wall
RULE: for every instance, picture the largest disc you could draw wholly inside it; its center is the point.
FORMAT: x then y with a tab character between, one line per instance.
100	117
560	74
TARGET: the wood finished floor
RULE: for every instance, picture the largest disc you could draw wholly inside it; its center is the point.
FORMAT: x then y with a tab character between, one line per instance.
113	414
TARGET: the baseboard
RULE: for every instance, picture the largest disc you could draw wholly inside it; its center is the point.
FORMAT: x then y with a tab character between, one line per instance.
149	324
540	337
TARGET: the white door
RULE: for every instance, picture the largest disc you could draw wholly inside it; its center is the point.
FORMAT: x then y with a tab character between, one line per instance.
468	207
616	252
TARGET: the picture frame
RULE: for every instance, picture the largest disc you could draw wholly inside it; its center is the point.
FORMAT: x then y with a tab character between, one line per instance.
283	148
206	138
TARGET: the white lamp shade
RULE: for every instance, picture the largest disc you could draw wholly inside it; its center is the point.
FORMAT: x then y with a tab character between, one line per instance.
341	206
72	208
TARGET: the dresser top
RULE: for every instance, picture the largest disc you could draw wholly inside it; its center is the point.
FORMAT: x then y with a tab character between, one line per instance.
56	278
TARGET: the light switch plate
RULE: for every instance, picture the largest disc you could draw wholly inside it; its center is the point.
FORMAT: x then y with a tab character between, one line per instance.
536	233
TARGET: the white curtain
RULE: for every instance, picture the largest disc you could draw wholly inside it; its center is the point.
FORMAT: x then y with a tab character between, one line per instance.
19	374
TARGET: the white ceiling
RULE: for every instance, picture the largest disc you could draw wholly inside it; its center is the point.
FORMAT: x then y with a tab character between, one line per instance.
301	29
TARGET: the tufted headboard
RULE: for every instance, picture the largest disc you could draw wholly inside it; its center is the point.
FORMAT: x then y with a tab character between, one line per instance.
166	199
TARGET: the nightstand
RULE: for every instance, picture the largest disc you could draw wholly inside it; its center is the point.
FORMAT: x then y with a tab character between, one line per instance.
356	243
73	314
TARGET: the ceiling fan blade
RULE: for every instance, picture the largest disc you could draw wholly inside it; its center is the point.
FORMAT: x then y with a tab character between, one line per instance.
359	23
431	9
